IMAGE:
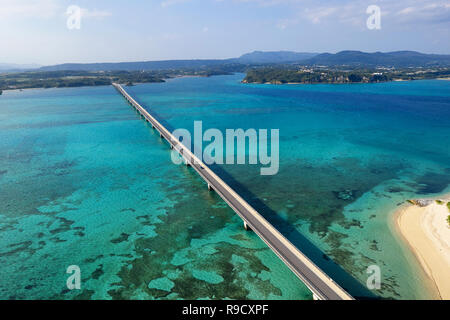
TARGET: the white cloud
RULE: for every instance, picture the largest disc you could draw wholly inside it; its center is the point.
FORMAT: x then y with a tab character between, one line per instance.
41	9
354	12
168	3
407	10
436	12
20	9
94	13
316	15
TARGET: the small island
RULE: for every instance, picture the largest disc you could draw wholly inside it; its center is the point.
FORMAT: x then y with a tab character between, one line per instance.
74	78
314	75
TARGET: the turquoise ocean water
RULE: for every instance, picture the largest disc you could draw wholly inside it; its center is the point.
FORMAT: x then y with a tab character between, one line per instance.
84	181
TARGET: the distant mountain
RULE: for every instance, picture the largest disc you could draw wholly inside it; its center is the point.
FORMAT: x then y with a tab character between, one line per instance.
259	57
133	66
256	57
349	58
387	59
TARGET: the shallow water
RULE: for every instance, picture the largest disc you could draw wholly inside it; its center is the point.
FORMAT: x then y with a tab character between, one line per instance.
84	181
349	154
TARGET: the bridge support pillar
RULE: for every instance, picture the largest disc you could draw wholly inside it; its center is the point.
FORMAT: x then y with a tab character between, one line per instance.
171	146
209	187
315	297
246	227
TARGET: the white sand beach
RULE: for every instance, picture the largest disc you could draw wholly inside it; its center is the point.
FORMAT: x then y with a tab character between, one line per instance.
427	232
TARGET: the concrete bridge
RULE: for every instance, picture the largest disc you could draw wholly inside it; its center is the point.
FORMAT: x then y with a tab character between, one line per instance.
320	284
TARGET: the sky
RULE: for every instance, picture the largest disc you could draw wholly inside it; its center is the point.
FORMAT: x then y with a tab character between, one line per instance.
36	31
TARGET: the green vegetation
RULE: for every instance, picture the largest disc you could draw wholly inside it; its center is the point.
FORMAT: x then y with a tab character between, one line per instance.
439	202
397	59
60	79
301	74
347	58
275	74
448	206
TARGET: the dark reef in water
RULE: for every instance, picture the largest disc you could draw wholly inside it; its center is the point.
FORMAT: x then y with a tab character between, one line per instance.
433	182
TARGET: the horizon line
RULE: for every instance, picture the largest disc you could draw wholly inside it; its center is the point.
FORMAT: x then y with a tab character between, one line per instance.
214	59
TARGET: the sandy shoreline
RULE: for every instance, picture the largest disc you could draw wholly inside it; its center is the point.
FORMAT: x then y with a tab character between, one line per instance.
426	231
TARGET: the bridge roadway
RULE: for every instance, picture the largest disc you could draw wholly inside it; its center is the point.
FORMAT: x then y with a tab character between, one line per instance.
320	284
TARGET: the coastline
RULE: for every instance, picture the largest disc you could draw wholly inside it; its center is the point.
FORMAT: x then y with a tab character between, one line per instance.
105	85
279	83
426	233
